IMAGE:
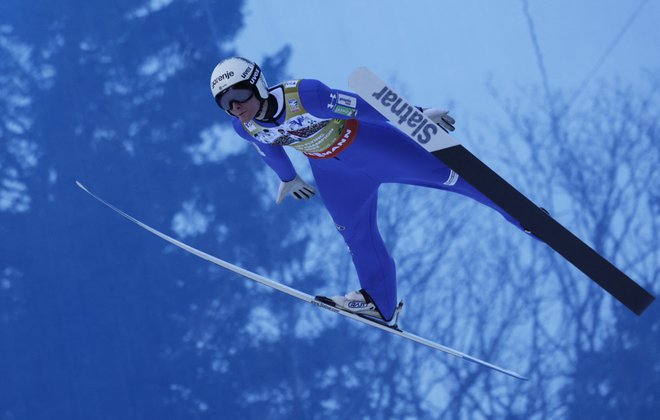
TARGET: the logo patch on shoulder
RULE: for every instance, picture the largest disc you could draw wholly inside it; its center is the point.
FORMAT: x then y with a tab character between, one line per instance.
344	110
343	104
291	83
346	100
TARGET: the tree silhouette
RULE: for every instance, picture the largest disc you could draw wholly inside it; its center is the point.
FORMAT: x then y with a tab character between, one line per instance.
596	166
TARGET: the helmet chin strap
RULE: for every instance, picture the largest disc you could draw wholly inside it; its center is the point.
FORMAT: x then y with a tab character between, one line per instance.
267	109
263	109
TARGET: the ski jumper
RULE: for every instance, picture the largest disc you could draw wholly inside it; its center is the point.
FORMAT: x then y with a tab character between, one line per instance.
352	150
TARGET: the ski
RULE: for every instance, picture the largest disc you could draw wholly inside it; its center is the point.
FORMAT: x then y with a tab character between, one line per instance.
409	120
304	296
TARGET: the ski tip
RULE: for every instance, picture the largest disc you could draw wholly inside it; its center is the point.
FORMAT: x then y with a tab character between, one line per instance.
82	187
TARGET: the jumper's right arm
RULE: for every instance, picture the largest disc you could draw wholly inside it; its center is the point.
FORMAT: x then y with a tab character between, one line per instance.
279	162
274	156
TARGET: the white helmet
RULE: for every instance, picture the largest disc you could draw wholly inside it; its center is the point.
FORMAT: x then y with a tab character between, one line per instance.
241	74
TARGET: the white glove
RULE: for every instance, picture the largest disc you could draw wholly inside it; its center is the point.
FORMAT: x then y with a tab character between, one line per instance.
299	189
440	117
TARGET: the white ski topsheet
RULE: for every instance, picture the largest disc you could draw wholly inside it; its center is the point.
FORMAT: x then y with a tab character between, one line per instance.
395	108
298	294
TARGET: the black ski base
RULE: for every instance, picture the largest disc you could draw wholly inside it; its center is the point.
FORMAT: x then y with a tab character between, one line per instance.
545	228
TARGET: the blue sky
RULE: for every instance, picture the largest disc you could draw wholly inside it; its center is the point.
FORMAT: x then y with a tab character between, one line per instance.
466	43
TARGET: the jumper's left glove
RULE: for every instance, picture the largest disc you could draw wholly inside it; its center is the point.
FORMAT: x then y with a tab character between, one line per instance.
299	189
440	117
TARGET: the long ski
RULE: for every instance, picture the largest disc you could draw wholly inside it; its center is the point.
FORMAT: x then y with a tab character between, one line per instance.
436	141
303	296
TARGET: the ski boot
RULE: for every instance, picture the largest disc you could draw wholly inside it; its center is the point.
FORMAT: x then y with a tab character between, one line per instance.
360	303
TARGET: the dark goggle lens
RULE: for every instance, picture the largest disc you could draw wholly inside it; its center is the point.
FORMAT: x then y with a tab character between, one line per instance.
233	94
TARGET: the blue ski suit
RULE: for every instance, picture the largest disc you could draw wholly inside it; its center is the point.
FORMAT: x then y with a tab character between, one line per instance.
352	150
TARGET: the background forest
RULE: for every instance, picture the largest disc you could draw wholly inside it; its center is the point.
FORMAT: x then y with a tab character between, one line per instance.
100	320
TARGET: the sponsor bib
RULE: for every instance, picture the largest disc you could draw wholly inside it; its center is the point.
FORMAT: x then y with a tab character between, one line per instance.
315	137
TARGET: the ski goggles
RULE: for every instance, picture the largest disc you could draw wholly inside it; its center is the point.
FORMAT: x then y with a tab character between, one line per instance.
240	92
